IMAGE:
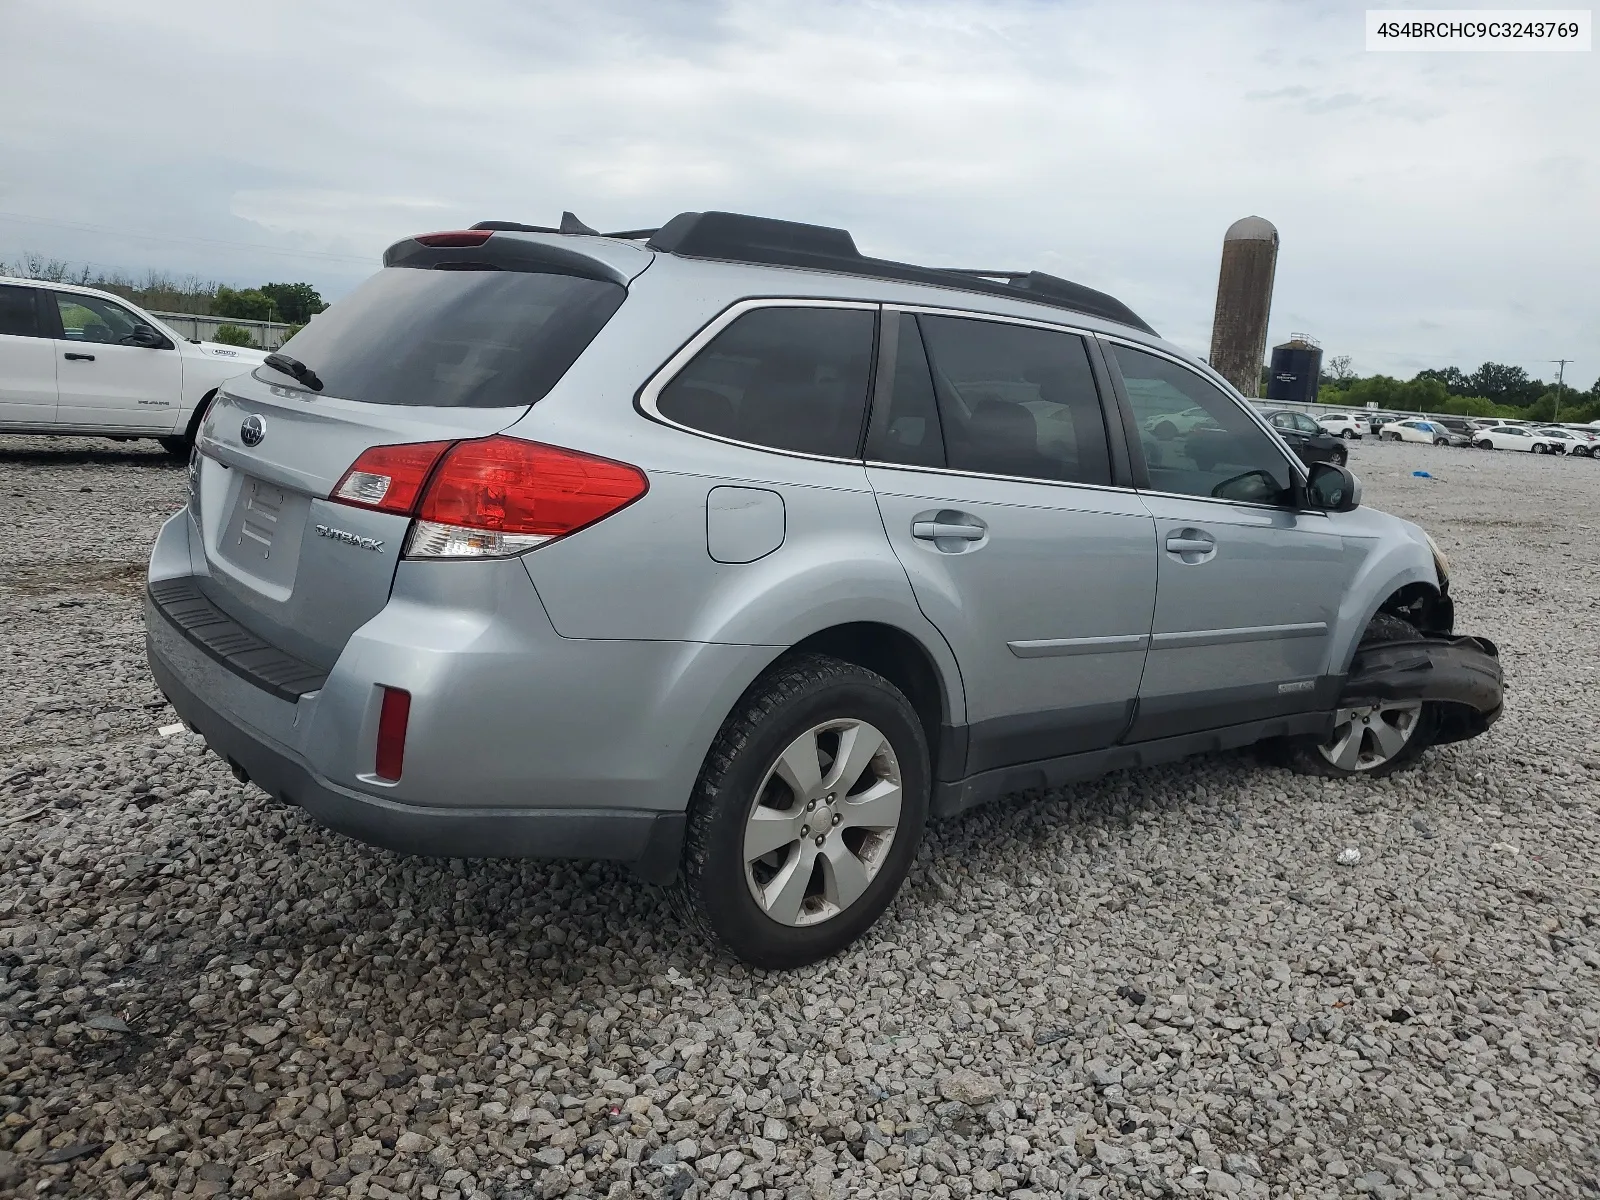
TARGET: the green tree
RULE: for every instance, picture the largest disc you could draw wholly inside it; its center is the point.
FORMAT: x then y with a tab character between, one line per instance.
296	303
1423	395
1542	409
247	305
1452	377
232	335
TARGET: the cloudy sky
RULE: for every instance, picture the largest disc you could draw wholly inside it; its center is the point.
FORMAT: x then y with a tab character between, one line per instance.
1433	208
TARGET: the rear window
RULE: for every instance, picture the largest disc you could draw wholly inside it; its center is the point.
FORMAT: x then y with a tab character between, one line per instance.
453	338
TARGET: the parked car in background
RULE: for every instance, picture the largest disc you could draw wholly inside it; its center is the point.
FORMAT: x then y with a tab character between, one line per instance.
1514	437
403	593
1345	425
74	360
1458	429
1167	426
1416	430
1568	441
1307	438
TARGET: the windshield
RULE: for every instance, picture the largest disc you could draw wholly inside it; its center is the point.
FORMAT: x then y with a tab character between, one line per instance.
453	338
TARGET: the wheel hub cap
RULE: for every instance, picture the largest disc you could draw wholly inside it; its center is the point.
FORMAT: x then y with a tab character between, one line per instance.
1367	736
822	822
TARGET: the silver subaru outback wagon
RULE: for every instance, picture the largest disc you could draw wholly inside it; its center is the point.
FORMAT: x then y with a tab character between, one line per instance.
727	551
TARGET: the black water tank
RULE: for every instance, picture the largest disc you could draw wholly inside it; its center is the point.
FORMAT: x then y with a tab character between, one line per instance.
1296	368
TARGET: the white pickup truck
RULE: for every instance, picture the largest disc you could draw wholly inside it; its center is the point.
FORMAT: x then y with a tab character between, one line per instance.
78	361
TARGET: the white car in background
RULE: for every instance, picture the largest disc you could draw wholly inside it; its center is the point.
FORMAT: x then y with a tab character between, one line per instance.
1415	430
1345	425
1570	441
1514	437
74	360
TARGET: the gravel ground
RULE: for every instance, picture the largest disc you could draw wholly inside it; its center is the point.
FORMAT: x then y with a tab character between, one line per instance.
1160	984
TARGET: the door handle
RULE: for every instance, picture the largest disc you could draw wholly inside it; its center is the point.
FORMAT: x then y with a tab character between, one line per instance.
72	357
931	531
1191	546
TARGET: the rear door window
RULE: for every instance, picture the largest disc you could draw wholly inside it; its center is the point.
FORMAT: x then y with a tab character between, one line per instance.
785	378
453	338
1012	400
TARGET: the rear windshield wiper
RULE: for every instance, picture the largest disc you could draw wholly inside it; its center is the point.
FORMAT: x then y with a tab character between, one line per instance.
295	368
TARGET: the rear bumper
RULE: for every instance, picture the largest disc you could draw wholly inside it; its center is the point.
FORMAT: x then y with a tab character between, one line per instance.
648	840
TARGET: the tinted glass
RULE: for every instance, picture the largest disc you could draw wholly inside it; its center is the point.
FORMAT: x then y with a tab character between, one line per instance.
905	420
19	316
91	319
453	339
1196	440
788	378
1016	401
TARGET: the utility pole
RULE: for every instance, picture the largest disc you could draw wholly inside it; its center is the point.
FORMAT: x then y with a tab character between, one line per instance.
1561	373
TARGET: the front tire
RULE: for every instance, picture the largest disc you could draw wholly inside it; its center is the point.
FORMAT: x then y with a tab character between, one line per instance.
1341	456
807	813
1370	740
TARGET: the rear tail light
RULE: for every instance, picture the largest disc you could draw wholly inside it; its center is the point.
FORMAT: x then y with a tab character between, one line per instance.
456	237
392	720
490	497
389	478
499	496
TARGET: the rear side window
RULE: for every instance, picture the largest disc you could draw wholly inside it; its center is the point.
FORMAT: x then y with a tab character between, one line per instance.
19	314
787	378
453	338
1014	400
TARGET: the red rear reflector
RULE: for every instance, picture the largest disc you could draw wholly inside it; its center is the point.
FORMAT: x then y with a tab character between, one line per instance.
389	478
504	485
456	237
392	719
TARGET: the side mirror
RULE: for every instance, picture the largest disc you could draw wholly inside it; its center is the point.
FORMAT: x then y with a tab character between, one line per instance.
1332	488
144	335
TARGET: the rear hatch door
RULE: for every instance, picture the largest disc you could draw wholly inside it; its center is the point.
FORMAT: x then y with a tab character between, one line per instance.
437	352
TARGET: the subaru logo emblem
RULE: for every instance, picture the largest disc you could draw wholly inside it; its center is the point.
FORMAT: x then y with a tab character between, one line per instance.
252	431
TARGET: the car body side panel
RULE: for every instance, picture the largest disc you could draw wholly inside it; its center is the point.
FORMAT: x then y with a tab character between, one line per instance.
1387	563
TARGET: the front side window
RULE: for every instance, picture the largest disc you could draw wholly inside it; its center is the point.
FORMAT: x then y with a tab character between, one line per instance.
785	378
1015	400
91	319
1305	424
19	314
1224	455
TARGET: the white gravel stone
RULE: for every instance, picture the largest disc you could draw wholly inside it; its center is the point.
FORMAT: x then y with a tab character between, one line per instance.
1142	985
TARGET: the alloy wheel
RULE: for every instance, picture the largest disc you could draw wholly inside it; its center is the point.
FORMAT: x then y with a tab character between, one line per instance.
1365	737
824	819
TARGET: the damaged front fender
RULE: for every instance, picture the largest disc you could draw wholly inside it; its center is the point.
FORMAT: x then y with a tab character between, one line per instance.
1460	674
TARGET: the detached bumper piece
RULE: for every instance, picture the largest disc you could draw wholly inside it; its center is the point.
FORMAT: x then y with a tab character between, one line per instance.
1461	674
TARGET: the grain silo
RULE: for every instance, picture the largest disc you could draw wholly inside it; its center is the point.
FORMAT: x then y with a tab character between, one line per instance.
1244	301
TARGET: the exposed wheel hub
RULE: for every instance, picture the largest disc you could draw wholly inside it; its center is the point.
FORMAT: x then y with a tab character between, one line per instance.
1366	737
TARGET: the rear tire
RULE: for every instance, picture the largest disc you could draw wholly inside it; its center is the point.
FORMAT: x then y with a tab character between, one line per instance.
1348	435
1393	437
1166	431
178	447
1368	740
824	882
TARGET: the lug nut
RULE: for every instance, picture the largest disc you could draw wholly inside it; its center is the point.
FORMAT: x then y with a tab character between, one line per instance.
805	831
810	805
837	818
820	839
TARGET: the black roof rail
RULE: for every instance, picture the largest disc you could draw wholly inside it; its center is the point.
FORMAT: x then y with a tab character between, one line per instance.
515	227
737	237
